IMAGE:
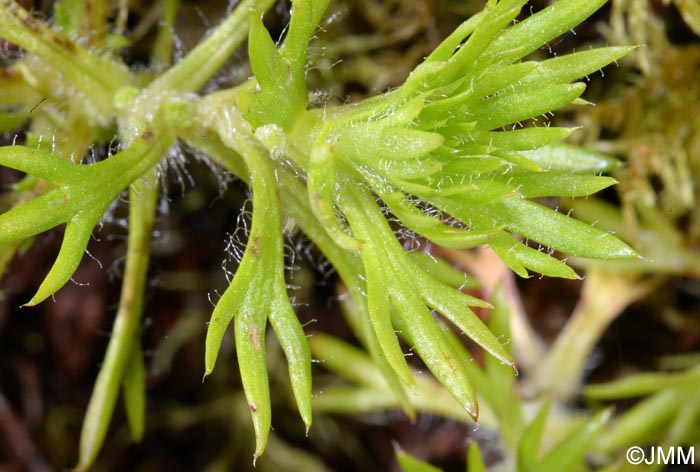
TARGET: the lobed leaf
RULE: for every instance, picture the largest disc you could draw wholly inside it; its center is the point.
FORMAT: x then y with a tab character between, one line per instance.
454	306
411	313
355	306
280	94
357	315
258	292
84	194
378	281
350	271
420	328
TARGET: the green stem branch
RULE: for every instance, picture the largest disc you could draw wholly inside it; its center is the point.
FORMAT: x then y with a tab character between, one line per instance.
142	206
207	58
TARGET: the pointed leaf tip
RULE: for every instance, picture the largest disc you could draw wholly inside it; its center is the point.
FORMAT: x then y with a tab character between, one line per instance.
473	412
33	302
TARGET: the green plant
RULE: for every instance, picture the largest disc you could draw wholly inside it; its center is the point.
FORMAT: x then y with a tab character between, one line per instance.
555	442
444	153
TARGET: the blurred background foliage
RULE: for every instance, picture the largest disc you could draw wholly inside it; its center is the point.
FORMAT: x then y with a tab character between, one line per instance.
626	336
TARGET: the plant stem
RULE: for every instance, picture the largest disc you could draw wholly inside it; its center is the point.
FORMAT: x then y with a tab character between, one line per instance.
604	297
142	206
96	78
163	45
208	57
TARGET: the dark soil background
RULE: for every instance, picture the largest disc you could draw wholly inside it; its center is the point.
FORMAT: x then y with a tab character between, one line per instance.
50	354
